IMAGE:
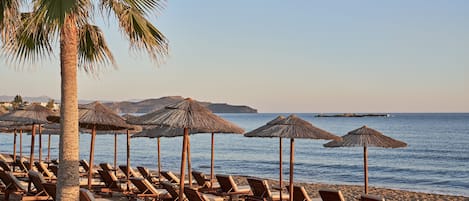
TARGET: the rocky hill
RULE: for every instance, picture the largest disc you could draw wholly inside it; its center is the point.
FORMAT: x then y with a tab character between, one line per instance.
149	105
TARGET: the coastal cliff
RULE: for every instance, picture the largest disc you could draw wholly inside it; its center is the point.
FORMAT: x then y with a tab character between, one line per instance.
149	105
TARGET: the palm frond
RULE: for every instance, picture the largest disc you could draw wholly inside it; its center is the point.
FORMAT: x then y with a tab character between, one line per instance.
31	42
93	51
143	6
56	11
9	18
140	32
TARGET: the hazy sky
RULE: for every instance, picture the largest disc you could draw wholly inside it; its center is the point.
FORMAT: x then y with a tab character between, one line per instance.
288	56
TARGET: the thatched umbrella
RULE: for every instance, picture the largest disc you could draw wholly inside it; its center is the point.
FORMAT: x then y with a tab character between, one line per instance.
12	127
158	132
366	137
33	115
260	132
95	116
131	130
294	127
187	114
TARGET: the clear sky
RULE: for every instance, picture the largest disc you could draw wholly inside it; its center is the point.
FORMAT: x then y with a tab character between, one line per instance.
288	56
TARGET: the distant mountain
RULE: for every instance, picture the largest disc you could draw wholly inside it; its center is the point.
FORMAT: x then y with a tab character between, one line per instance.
149	105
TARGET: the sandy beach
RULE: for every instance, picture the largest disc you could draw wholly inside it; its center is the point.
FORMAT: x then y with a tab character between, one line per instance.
353	192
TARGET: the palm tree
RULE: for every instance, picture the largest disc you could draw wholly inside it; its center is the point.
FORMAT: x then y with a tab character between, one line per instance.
29	36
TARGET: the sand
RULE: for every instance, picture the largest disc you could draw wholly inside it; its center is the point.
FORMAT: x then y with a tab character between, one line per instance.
353	192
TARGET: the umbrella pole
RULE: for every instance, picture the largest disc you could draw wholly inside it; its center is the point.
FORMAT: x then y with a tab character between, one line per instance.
48	147
212	164
31	154
40	143
14	144
365	166
280	179
183	163
292	158
189	165
90	172
159	159
128	159
21	144
115	153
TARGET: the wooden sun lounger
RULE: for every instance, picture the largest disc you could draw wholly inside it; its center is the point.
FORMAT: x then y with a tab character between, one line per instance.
193	195
111	182
171	188
38	181
146	190
42	168
14	186
299	193
170	176
261	191
331	195
147	175
131	171
203	182
85	194
6	167
228	186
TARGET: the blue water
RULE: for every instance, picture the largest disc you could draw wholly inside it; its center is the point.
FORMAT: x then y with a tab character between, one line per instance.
436	160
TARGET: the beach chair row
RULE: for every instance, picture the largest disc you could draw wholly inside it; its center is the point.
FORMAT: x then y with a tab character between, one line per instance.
144	185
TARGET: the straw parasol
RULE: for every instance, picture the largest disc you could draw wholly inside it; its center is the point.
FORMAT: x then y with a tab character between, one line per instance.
158	132
16	129
33	115
294	127
95	116
187	114
366	137
260	132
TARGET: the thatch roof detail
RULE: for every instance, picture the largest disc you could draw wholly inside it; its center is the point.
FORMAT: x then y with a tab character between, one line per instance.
365	136
187	114
263	130
294	127
159	131
31	114
96	114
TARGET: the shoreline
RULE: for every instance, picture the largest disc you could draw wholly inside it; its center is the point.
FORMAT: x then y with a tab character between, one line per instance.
353	192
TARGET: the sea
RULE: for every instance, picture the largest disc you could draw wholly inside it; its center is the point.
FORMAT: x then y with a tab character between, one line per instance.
436	159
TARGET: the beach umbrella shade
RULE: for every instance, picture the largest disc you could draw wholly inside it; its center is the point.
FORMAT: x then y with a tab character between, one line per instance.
158	132
294	127
33	115
187	114
94	117
11	127
366	137
260	132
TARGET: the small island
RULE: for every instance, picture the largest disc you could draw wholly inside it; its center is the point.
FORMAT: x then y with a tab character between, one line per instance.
353	115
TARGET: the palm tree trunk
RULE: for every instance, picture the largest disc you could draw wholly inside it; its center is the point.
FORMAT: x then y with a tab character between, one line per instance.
68	178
